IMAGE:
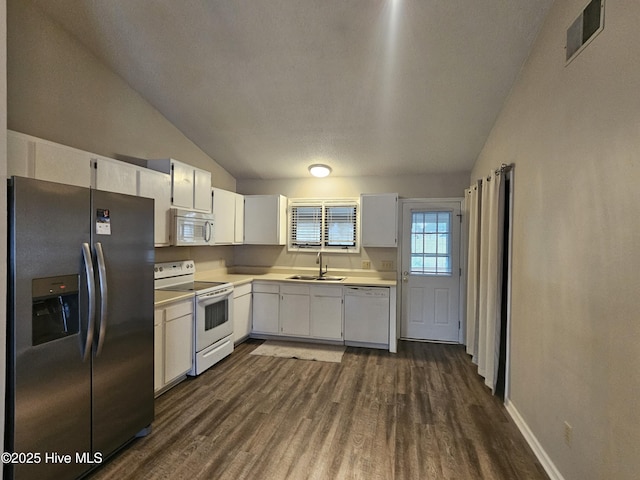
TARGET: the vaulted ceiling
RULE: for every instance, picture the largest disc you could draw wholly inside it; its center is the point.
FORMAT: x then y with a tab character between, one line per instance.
267	87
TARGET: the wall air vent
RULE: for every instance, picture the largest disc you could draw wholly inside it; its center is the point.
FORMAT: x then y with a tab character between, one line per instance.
584	29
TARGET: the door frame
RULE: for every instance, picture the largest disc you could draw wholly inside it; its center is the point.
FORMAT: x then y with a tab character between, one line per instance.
463	266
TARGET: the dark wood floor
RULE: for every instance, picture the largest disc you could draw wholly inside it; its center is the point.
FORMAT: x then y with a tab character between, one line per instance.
422	413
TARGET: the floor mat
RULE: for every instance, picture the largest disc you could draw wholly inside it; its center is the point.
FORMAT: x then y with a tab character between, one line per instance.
302	351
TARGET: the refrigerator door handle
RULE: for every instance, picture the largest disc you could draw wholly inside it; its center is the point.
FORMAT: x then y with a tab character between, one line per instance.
102	277
91	290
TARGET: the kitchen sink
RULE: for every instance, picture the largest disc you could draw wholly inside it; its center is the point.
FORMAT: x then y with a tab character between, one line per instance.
324	278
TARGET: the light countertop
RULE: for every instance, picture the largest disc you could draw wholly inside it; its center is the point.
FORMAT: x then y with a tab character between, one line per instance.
162	297
242	278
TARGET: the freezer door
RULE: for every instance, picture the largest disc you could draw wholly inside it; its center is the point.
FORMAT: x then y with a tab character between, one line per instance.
49	384
122	234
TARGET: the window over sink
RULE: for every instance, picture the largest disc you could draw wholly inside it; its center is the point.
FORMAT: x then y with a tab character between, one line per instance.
324	225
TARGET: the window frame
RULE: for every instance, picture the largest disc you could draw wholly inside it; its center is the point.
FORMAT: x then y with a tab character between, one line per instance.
324	205
435	271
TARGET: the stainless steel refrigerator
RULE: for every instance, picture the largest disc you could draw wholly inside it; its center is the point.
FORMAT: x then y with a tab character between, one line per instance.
80	326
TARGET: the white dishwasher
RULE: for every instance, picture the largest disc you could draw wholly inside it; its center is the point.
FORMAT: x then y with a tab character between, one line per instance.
366	316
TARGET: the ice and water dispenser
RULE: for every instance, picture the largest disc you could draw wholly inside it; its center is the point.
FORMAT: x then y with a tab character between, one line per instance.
55	306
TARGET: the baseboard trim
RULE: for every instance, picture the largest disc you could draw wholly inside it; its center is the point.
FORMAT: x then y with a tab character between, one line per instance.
541	454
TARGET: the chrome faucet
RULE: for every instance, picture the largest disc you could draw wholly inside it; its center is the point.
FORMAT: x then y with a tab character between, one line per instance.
319	262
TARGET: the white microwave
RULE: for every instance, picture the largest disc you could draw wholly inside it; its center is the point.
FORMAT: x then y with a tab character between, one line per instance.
190	228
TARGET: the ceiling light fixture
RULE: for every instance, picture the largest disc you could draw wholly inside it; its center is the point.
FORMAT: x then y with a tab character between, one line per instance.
319	170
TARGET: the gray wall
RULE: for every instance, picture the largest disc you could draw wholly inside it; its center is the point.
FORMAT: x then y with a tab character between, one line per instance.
417	186
573	133
3	213
59	91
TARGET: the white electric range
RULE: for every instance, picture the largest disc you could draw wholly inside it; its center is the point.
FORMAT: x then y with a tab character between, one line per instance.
212	311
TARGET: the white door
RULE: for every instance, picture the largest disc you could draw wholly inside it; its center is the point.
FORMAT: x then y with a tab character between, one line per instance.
431	270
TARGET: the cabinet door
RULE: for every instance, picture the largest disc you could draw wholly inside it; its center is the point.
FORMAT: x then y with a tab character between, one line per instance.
241	317
20	152
238	237
294	315
265	312
158	350
177	345
224	208
114	176
265	219
201	190
61	164
182	185
379	220
326	312
156	185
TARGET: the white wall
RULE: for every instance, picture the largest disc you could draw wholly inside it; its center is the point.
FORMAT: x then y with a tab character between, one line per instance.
573	133
59	91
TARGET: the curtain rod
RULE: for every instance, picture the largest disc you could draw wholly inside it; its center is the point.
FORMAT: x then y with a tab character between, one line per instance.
504	168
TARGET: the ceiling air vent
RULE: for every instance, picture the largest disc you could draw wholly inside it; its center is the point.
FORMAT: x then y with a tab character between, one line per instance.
585	28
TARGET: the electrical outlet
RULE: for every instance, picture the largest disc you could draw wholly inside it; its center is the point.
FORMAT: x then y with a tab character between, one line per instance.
387	265
366	264
568	433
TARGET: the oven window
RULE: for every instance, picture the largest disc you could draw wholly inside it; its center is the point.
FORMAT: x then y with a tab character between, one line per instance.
215	314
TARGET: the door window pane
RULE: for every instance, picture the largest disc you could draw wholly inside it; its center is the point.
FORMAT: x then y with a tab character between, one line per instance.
431	243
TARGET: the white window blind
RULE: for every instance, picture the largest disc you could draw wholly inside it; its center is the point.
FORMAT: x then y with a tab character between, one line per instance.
323	225
340	226
306	226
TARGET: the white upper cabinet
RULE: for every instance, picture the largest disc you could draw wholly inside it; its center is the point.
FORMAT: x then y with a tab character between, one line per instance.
201	190
115	176
238	237
228	208
157	185
61	164
36	158
182	185
224	210
265	219
190	186
20	155
379	220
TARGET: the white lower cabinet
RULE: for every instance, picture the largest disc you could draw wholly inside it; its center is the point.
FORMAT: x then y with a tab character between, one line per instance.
360	316
158	349
266	307
326	312
294	310
173	331
241	312
297	310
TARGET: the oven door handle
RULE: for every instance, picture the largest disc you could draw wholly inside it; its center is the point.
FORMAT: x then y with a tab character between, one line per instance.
214	295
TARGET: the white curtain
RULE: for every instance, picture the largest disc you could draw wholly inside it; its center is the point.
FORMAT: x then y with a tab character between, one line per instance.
472	207
485	290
